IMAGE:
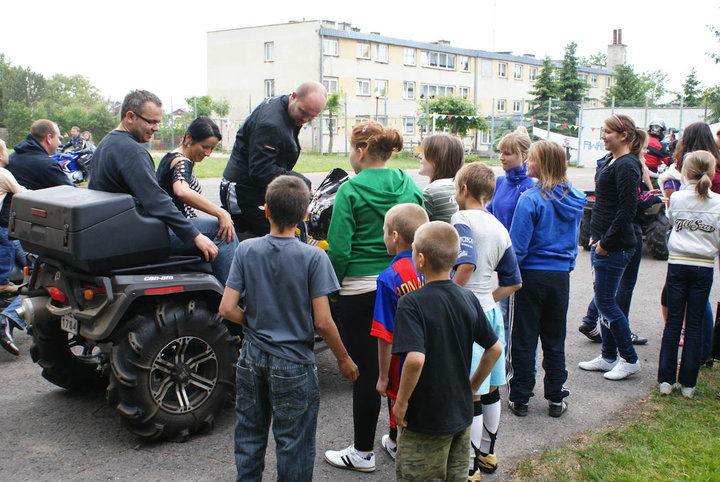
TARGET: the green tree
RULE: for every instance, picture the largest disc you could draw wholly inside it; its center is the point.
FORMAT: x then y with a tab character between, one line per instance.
543	90
629	89
19	120
100	121
222	107
570	88
206	106
461	115
333	106
691	93
716	32
654	84
711	98
598	58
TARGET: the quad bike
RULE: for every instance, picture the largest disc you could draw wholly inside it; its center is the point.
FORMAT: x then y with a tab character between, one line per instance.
109	307
75	164
651	217
321	204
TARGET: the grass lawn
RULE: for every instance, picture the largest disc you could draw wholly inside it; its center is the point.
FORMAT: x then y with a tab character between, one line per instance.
213	166
662	438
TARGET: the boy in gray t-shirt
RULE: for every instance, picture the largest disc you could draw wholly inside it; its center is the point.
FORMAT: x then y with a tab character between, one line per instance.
284	284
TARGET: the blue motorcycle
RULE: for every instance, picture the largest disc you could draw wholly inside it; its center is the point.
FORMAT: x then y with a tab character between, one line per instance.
75	164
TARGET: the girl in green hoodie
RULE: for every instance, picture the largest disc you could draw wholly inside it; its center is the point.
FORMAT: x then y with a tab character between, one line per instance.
358	254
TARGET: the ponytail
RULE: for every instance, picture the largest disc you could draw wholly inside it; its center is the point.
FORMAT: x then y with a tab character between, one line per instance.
638	143
380	141
700	166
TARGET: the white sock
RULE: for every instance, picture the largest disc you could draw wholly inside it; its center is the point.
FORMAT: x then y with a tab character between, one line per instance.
491	422
476	430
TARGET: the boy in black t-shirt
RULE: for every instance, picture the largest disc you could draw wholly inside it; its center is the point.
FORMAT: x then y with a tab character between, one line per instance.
434	329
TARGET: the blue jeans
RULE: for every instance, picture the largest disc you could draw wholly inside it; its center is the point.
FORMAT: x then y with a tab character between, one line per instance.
707	332
623	297
607	271
7	256
273	388
686	286
209	227
10	313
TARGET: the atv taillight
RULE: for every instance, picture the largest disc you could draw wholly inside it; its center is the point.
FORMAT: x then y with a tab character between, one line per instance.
162	291
56	294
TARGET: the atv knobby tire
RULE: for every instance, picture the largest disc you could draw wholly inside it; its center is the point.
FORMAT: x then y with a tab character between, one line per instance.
65	360
172	370
584	236
656	236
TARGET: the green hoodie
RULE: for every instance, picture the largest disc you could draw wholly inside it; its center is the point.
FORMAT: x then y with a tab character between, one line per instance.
355	237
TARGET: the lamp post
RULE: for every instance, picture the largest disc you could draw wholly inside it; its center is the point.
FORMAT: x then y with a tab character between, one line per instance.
377	98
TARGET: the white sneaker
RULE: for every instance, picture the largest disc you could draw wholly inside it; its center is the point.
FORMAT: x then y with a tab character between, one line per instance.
389	446
622	370
666	388
687	392
349	458
598	364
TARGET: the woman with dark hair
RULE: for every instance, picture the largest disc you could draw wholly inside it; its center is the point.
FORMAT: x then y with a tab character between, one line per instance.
613	243
176	176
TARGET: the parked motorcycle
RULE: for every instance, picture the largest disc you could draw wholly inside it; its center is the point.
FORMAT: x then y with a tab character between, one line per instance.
75	164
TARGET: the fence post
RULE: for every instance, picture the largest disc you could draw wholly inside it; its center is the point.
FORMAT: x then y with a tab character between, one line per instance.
547	132
346	126
492	131
682	104
578	163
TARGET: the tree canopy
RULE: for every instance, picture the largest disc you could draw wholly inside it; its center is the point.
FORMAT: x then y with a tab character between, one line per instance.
628	89
461	114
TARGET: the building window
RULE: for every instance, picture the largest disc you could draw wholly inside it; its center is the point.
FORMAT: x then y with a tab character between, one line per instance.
409	56
362	87
464	92
381	53
533	73
269	88
381	88
437	60
501	105
594	80
517	72
408	90
382	119
363	50
584	78
361	118
331	84
517	105
330	47
593	103
608	82
408	125
430	90
464	63
269	51
502	70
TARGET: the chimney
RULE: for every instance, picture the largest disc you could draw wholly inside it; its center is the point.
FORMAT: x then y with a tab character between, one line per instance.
617	52
615	37
619	39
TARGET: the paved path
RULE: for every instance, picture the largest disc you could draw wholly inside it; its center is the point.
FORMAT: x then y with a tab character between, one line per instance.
50	434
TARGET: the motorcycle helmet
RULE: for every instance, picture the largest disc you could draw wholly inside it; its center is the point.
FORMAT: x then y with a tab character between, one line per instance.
657	128
322	202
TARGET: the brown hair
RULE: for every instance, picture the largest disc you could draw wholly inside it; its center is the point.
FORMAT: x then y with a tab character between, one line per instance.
445	153
700	166
41	128
636	138
439	242
517	142
479	179
551	160
380	141
696	137
405	219
287	198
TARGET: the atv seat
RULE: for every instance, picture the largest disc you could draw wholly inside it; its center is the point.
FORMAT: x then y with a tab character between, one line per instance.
177	263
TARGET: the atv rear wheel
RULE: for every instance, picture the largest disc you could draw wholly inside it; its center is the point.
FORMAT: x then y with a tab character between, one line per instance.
584	236
656	235
173	370
67	360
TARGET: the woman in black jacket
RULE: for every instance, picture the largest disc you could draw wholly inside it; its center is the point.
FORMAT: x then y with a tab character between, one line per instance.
613	243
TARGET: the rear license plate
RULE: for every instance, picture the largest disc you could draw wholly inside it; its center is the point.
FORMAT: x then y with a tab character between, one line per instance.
69	323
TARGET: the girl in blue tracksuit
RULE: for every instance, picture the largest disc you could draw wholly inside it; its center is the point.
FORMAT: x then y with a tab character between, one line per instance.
544	234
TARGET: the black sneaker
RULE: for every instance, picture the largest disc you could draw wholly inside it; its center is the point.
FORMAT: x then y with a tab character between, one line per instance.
518	408
638	340
591	331
557	409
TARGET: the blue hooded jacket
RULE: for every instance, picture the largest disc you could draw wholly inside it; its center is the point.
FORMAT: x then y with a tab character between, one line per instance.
544	231
508	189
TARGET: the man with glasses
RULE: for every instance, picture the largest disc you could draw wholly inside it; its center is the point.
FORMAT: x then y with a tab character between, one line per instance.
122	165
267	146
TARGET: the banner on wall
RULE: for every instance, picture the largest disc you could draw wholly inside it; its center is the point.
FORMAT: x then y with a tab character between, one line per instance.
591	147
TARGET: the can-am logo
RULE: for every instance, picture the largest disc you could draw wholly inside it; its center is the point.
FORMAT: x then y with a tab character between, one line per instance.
158	278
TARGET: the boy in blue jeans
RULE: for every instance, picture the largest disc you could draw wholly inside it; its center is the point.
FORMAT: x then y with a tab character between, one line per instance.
401	222
435	328
276	374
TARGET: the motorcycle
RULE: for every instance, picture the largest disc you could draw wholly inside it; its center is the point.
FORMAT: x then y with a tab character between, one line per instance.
75	164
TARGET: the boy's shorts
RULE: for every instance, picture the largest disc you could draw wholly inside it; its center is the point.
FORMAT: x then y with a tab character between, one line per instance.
497	375
432	457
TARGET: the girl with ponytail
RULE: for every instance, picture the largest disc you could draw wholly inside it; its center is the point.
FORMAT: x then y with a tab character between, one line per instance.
613	241
694	243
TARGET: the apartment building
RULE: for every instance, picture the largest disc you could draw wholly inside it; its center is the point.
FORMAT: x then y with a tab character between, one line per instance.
380	77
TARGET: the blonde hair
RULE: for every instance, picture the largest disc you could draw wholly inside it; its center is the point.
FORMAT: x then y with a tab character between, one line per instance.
700	166
445	153
552	164
439	242
405	218
517	142
380	141
479	179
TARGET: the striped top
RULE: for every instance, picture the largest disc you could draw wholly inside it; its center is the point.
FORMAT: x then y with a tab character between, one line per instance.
439	197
